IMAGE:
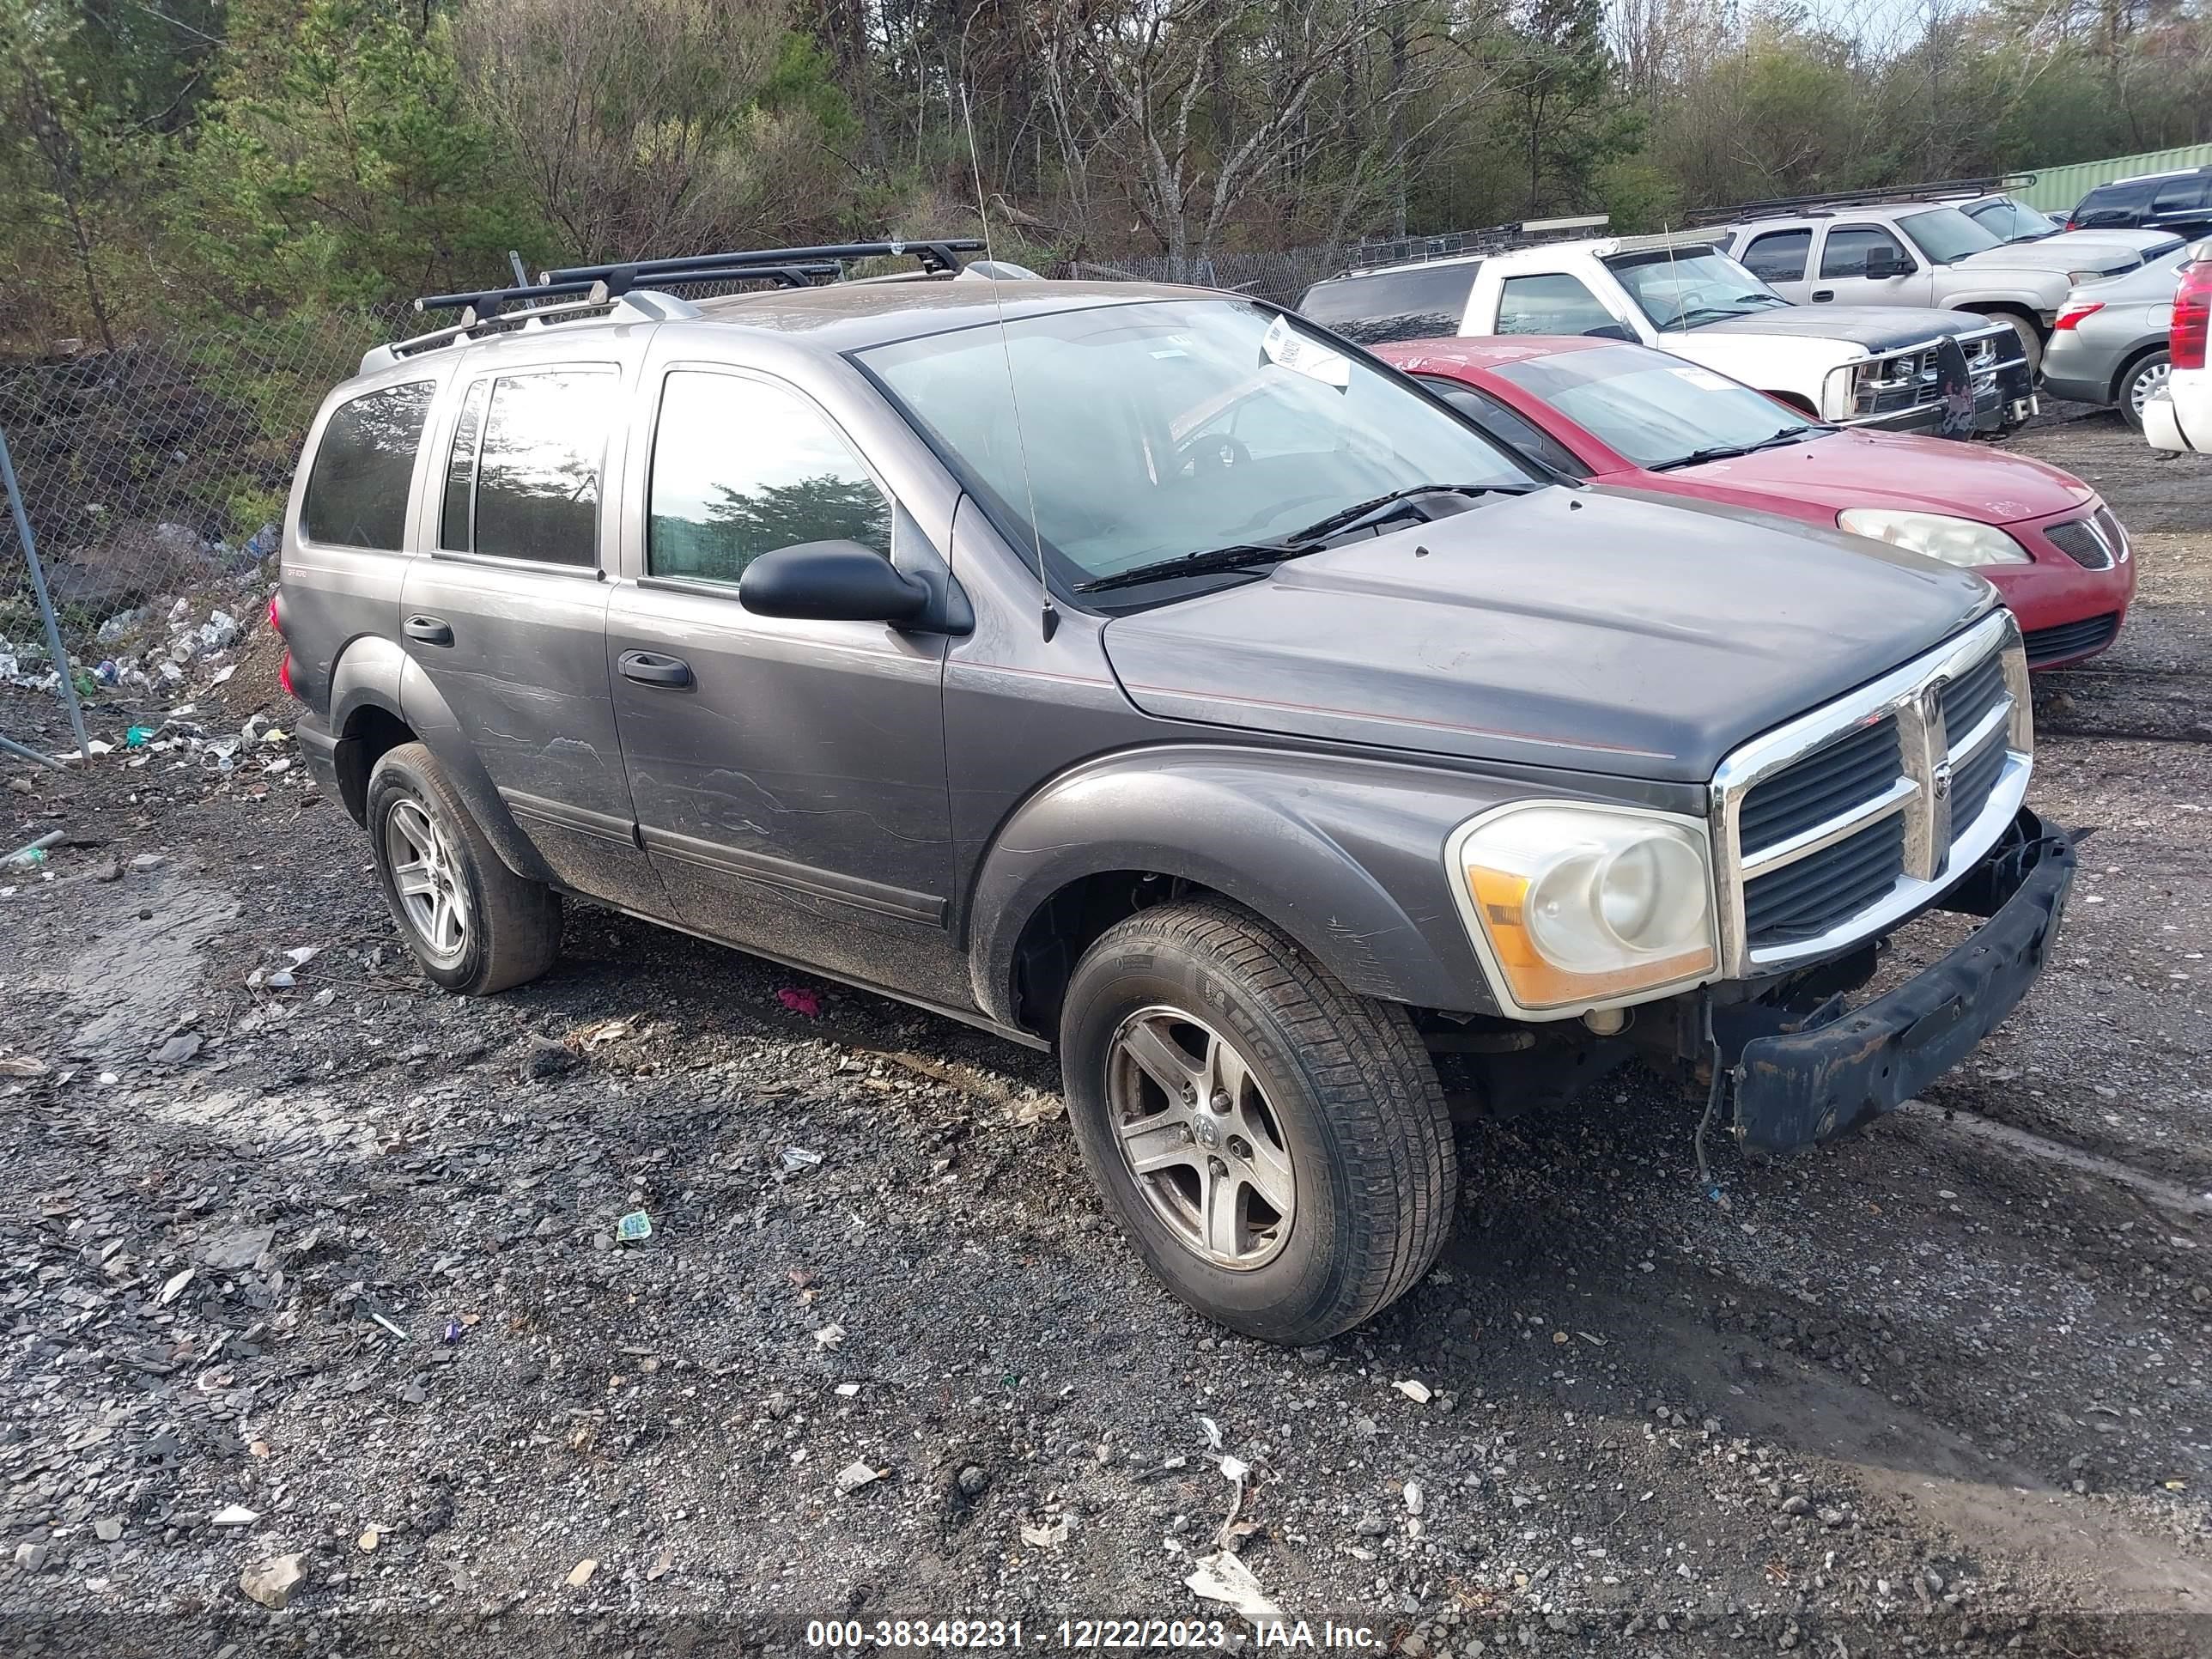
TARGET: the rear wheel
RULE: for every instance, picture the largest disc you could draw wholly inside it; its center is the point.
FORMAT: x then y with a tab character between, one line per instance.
2141	383
473	924
1277	1147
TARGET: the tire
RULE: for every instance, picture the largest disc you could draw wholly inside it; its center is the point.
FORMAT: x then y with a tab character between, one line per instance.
508	928
1337	1109
2143	376
2031	340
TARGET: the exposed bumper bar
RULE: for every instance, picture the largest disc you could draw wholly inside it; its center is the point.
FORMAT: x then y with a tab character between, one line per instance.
1800	1088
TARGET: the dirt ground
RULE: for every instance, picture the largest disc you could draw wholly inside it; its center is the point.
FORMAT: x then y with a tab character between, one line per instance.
331	1269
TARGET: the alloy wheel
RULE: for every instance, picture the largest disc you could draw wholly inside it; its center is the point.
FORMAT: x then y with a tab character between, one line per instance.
427	876
1198	1132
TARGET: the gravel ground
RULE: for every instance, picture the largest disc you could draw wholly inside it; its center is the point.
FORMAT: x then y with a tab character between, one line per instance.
312	1273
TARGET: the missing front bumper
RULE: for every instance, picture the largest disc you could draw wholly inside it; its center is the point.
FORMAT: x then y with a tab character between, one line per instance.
1799	1088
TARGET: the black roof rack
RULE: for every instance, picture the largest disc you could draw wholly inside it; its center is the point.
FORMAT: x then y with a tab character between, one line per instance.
490	302
1932	191
936	254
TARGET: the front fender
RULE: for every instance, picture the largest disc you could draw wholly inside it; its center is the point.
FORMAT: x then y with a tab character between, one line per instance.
1344	854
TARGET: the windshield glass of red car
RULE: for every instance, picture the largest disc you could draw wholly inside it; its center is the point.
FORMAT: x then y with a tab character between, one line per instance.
1652	408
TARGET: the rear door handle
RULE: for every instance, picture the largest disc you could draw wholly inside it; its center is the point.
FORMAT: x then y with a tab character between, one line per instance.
1822	296
651	668
431	630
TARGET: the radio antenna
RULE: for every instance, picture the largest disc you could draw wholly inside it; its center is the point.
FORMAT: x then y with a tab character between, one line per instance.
1050	618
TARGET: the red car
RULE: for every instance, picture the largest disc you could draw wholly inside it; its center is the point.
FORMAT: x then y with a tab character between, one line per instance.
1626	415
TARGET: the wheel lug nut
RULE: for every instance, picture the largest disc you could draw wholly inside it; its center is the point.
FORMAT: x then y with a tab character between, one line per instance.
1216	1166
1220	1102
1237	1144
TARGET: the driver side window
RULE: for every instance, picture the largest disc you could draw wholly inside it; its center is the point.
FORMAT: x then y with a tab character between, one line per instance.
741	468
1848	247
1555	303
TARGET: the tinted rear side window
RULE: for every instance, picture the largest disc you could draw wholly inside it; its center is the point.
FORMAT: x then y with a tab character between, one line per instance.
2180	194
357	487
537	473
2114	204
1419	303
1780	256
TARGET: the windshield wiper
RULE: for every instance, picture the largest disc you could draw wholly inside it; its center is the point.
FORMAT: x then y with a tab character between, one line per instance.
1353	514
1252	555
1789	434
1240	555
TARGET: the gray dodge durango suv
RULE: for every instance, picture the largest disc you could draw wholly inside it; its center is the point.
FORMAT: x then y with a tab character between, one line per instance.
1143	673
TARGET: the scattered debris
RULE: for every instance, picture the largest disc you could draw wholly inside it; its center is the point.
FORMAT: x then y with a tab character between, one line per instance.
855	1476
580	1574
233	1514
808	1003
1223	1577
1416	1391
271	1583
1047	1536
634	1226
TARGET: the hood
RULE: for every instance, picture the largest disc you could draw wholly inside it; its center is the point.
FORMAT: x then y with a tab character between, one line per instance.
2087	248
1581	629
1922	475
2053	256
1878	328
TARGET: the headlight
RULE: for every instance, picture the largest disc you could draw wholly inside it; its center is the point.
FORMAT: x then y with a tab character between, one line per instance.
1575	906
1963	542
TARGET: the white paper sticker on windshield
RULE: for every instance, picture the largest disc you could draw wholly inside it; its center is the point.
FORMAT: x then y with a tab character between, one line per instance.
1286	346
1703	377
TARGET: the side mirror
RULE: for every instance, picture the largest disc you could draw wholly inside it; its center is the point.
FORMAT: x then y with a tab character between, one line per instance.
1880	264
830	581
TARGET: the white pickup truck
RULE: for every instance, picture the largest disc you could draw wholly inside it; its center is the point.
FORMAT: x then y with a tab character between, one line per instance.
1905	370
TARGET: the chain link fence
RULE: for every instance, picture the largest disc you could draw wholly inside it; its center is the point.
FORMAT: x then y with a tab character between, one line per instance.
154	475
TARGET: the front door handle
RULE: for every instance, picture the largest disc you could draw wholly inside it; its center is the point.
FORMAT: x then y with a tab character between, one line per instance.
1822	296
431	630
651	668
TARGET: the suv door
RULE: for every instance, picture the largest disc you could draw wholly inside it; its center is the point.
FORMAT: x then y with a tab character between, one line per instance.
1849	251
789	774
507	617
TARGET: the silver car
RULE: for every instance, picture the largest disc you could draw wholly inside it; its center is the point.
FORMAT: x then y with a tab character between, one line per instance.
2109	343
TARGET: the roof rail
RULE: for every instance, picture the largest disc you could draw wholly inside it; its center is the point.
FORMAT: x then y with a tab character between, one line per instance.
1367	256
1933	191
938	255
643	306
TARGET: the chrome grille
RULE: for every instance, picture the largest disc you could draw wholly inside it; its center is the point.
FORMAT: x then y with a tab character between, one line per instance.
1812	791
1832	886
1844	820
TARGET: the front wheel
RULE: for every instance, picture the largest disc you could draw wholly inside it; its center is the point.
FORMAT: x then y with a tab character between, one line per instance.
2030	341
1278	1148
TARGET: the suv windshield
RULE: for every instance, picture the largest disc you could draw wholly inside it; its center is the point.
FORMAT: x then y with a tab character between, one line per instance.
1686	287
1944	234
2011	222
1149	431
1655	410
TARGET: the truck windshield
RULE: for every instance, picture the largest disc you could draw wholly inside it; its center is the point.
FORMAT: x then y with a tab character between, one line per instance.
1122	436
2011	222
1687	288
1944	234
1657	410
